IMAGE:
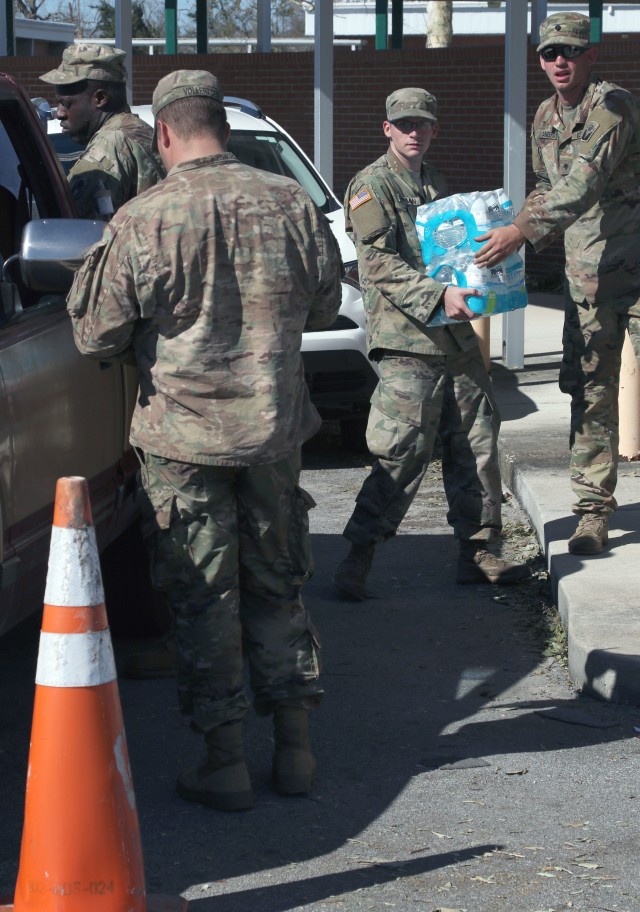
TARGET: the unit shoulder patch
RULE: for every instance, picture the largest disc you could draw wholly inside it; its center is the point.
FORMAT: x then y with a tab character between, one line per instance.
599	125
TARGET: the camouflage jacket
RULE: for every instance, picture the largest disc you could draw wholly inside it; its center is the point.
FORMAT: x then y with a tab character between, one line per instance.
380	212
116	165
211	277
588	186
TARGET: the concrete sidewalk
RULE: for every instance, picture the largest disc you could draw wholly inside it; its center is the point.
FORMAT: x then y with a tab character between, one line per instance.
598	597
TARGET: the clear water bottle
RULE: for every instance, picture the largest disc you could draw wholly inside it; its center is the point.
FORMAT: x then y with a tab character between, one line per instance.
495	213
506	205
480	214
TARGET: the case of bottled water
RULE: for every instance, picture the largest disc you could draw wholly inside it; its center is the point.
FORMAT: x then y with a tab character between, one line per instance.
447	229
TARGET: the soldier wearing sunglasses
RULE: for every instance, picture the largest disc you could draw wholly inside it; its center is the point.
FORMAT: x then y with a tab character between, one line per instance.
586	158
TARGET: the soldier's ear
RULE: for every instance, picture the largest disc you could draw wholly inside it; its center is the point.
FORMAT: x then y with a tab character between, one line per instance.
100	98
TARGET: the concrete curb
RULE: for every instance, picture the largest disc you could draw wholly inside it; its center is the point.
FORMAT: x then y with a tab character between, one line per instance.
597	597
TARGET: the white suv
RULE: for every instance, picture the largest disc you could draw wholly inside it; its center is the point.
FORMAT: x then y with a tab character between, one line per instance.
339	374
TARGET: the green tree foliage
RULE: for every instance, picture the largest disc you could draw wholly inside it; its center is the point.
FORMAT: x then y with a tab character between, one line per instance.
144	24
238	18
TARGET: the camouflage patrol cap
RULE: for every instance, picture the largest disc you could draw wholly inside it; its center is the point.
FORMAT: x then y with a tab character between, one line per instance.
565	28
88	61
411	103
185	84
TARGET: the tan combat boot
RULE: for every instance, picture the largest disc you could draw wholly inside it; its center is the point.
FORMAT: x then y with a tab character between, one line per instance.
351	576
478	565
591	535
294	765
222	781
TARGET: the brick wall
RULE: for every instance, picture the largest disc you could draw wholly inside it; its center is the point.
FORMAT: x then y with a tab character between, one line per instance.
468	81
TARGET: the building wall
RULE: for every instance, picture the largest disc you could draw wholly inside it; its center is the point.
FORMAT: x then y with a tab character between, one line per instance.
468	81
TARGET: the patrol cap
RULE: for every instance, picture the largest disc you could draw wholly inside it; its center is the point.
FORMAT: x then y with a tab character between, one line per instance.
185	84
565	28
88	61
411	103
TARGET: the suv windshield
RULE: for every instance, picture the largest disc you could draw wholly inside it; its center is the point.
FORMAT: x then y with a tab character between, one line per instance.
268	151
272	152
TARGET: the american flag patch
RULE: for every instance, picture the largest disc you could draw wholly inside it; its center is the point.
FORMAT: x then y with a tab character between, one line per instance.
362	197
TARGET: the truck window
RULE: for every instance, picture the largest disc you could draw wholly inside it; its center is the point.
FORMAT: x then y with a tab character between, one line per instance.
23	170
9	189
28	188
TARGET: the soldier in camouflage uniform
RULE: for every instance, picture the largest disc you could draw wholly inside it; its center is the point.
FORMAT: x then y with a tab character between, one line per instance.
210	278
432	380
586	157
118	162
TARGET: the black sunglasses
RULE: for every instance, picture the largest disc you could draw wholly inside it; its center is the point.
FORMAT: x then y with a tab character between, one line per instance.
568	51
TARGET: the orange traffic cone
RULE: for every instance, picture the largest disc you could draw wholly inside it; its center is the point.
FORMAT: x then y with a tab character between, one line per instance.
81	849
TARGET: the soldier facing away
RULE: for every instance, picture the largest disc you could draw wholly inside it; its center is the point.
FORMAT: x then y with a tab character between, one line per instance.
118	162
586	158
210	277
433	381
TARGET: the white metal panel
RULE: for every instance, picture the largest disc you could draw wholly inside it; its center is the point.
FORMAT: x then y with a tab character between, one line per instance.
357	17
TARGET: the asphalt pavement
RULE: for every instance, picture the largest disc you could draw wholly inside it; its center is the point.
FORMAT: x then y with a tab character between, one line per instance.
459	767
598	596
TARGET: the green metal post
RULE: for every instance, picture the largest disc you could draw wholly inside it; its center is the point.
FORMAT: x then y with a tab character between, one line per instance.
595	14
171	26
202	30
396	23
381	25
11	40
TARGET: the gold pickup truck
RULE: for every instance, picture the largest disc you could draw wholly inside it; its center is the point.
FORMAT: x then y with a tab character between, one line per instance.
60	413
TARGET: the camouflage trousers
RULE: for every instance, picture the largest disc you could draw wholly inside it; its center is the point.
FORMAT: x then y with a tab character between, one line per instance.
419	398
592	340
230	549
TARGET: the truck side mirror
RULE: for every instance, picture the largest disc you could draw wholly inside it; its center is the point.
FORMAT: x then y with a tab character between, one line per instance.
52	251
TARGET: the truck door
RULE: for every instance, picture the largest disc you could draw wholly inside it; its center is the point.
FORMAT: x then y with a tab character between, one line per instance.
60	413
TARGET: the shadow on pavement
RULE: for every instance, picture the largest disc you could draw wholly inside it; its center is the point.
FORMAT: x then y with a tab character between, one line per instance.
280	897
421	682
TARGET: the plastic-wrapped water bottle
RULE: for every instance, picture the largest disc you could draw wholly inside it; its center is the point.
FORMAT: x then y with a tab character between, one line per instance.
506	205
478	210
447	229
